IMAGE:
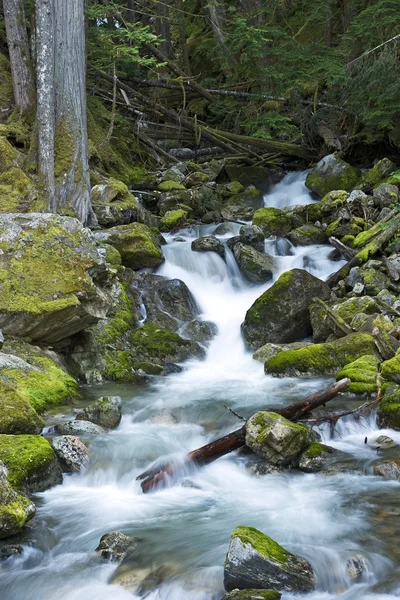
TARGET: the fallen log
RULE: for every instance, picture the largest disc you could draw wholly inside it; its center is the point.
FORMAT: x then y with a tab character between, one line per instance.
236	439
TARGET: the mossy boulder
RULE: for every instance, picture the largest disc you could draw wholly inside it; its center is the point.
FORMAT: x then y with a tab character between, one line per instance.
253	595
389	409
31	462
170	185
53	280
374	280
18	194
280	315
386	195
390	369
256	267
252	235
315	457
332	173
344	227
15	510
196	178
254	560
379	172
113	204
307	235
9	156
259	176
269	350
276	439
321	359
106	412
37	377
362	373
326	209
154	345
16	414
250	197
346	309
272	221
138	245
173	219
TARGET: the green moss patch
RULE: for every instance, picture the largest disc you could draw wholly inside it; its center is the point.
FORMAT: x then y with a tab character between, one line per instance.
261	543
362	374
16	414
173	219
24	456
272	221
389	409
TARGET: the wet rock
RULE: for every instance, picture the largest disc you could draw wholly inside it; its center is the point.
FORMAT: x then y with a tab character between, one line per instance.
382	441
106	412
13	548
269	350
255	266
224	229
72	453
315	457
113	546
385	195
332	173
388	469
260	469
362	373
235	212
306	235
53	278
173	219
389	409
15	509
78	427
253	595
280	315
31	462
208	243
200	331
321	359
254	560
272	221
251	235
155	345
347	309
357	567
276	439
137	244
139	579
1	339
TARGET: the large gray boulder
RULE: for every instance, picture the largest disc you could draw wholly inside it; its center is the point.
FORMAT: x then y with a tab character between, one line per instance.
280	315
71	452
53	279
276	439
254	560
255	266
106	412
15	509
332	173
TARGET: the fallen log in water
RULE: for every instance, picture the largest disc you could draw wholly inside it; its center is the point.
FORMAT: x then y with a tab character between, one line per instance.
236	439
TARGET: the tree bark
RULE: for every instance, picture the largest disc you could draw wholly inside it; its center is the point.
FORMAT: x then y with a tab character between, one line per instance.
18	48
228	443
62	128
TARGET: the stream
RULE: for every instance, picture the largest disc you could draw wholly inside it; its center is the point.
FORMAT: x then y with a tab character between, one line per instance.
185	528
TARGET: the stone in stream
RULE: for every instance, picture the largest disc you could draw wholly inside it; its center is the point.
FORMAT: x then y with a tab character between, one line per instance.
72	453
332	173
388	469
209	243
307	235
315	457
200	331
252	235
78	427
382	442
275	438
269	350
357	567
15	509
254	560
255	266
272	221
281	314
389	409
253	595
113	546
106	412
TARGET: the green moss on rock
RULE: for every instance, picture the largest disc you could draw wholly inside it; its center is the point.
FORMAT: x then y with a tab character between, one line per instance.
9	156
169	186
390	369
389	409
272	221
332	173
262	544
253	594
155	345
362	373
16	414
321	359
137	244
379	172
26	457
173	219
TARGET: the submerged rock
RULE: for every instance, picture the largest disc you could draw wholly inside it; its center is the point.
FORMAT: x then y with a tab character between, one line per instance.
31	462
72	453
106	412
113	546
15	509
256	267
280	314
254	560
275	438
209	243
53	279
389	469
332	173
357	567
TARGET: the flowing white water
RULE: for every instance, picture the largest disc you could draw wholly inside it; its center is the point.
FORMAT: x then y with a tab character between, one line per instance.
186	527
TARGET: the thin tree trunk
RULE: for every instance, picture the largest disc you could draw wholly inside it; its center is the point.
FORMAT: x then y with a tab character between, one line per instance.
131	17
18	47
182	35
163	29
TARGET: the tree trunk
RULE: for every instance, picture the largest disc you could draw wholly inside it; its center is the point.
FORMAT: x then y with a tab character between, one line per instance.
18	47
62	128
131	17
163	29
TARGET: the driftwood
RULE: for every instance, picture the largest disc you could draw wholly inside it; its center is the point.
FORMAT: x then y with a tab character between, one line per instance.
344	250
236	439
367	252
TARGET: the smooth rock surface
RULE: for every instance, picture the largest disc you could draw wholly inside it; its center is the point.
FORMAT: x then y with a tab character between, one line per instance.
72	453
106	412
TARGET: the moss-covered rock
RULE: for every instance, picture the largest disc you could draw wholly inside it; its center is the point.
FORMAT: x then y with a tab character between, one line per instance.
196	178
379	172
315	457
15	510
390	369
9	156
269	350
106	412
253	595
31	462
321	359
154	345
113	204
36	376
173	219
389	408
306	235
255	560
275	438
280	315
169	186
18	193
272	221
256	267
346	309
50	277
362	373
332	173
16	414
138	245
250	197
374	280
343	227
259	176
208	243
327	208
185	199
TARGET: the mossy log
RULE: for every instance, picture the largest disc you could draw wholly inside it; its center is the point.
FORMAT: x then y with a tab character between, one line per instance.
236	439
